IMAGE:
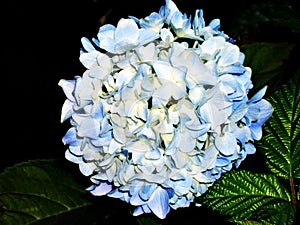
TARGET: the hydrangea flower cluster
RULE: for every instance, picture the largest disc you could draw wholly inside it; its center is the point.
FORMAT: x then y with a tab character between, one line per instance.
161	111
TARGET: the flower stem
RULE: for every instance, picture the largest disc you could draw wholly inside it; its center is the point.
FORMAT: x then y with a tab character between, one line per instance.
294	197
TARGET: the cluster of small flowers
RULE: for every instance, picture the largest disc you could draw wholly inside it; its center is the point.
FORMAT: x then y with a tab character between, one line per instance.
155	120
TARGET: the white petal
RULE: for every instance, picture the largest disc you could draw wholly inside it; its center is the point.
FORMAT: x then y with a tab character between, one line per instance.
139	146
197	72
124	77
111	172
197	94
229	55
106	31
109	45
75	159
127	29
67	110
146	52
89	128
114	146
187	143
166	35
87	168
68	88
165	71
89	59
119	135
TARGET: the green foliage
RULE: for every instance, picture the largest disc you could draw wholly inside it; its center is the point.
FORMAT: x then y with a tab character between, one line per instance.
281	142
246	196
45	192
267	198
267	61
35	190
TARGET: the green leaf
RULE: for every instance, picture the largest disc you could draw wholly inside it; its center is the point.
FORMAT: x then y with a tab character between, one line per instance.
45	192
245	196
280	142
267	60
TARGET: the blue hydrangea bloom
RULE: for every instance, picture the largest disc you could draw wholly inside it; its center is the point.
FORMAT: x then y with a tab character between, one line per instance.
156	119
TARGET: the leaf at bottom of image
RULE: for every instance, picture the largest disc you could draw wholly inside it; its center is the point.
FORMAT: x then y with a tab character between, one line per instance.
44	192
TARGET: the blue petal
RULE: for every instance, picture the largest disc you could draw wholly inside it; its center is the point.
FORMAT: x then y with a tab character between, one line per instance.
146	191
256	131
147	36
233	69
226	144
229	55
87	45
242	134
198	22
258	96
221	161
70	137
238	113
159	203
102	189
266	111
215	24
250	148
182	186
138	211
209	158
106	31
168	10
136	200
